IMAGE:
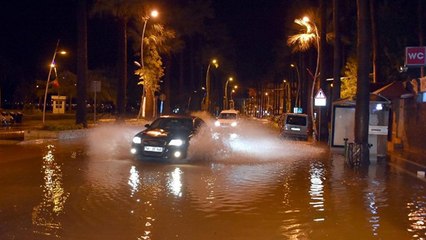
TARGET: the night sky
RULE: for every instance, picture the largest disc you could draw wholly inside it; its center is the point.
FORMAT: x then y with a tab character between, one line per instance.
30	30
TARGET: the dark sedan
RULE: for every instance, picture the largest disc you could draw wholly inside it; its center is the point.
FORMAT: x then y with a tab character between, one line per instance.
166	138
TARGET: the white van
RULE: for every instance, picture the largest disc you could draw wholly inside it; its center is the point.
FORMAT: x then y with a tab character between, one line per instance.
295	125
227	118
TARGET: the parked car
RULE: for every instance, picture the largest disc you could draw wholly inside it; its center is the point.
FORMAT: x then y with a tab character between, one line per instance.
166	138
295	125
6	119
227	118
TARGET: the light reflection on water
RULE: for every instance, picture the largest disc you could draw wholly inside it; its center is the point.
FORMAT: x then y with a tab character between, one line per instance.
317	189
417	214
46	215
294	191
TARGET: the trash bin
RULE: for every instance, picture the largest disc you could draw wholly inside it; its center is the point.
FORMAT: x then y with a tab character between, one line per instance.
18	117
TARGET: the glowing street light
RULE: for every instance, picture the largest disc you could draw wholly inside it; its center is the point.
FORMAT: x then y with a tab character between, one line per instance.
154	14
52	66
207	100
233	91
225	102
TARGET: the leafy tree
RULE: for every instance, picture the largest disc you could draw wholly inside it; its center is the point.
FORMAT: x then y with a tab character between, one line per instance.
348	88
152	70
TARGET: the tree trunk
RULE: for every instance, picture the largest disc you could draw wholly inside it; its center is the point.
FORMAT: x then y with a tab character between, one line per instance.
82	63
375	43
149	109
122	69
323	73
337	59
363	82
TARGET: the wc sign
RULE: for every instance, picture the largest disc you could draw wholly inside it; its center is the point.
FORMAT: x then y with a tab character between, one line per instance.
415	56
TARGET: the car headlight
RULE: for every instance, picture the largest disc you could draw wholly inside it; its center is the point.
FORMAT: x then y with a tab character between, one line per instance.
137	140
217	124
176	142
234	124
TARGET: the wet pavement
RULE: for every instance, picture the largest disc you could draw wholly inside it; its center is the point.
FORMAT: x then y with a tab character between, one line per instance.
254	187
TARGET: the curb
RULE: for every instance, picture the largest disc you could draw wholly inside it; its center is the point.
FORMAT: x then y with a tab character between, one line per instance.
61	135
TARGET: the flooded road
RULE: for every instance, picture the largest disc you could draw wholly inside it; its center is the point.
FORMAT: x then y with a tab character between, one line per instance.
253	187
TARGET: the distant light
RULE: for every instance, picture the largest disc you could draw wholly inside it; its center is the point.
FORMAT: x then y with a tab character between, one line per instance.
379	107
133	151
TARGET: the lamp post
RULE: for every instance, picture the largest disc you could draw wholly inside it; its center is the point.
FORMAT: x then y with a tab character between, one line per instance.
266	102
52	66
207	100
286	96
154	14
225	102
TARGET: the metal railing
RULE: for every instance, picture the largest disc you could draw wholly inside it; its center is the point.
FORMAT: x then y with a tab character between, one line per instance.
353	153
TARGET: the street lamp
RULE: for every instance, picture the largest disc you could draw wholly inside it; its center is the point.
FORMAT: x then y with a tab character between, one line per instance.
297	101
287	95
207	101
233	91
267	102
52	66
225	102
154	14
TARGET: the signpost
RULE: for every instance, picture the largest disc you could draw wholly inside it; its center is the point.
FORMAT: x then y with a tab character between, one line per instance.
415	56
320	101
96	87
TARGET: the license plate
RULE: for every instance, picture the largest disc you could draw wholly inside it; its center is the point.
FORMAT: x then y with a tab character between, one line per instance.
295	129
153	149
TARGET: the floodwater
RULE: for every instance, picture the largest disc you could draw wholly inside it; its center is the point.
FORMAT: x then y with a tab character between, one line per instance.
254	186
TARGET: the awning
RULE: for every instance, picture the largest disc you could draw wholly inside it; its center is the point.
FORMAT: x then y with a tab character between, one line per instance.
394	90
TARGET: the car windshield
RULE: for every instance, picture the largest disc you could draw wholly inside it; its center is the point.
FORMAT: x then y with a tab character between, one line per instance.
228	116
172	123
296	120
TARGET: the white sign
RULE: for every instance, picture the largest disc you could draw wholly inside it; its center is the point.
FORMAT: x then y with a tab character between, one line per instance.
378	130
320	98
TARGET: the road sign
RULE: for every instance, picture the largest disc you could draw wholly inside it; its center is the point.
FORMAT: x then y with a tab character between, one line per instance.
320	98
96	86
415	56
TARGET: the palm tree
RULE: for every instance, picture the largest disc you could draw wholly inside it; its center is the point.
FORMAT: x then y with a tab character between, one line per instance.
82	63
121	11
302	42
363	83
337	59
